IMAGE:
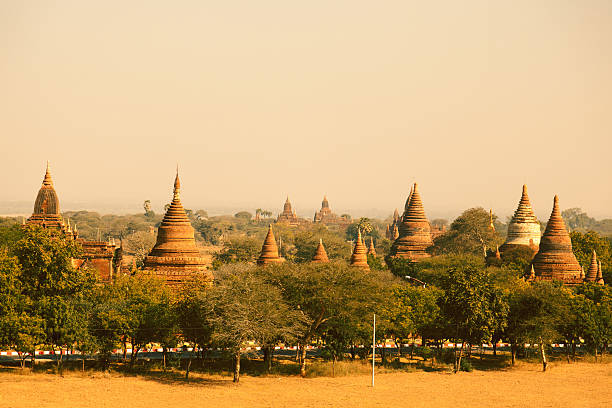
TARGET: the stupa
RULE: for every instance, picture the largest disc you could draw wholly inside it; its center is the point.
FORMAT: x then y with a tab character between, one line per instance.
288	216
46	207
555	259
320	255
389	233
600	278
359	258
593	271
371	248
524	228
175	256
414	231
269	250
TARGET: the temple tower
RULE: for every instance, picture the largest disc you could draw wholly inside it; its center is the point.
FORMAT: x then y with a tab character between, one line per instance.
320	255
414	230
175	256
524	228
600	278
359	258
269	250
46	207
371	248
288	216
555	259
593	271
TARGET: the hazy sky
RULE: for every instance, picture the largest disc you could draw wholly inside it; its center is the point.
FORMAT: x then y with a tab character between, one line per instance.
354	99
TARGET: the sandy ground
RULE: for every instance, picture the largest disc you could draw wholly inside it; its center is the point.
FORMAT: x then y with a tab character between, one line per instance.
564	385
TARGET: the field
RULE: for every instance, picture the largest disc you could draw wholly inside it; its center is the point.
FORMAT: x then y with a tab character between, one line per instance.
563	385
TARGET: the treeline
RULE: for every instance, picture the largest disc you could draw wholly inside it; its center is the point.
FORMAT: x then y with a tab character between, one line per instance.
45	302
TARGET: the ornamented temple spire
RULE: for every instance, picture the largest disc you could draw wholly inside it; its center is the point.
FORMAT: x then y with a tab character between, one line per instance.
491	225
359	257
524	228
414	230
47	181
371	248
555	259
269	250
320	255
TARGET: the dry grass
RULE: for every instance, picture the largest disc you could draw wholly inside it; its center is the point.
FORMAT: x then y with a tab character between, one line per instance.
564	385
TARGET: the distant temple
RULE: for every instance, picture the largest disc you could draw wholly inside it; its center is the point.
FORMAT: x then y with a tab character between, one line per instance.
326	216
524	228
359	258
269	250
555	259
104	257
392	231
414	230
175	256
288	216
320	255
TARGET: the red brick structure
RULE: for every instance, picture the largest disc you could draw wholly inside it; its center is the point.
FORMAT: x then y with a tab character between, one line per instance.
269	250
359	258
414	230
288	216
326	216
175	256
320	255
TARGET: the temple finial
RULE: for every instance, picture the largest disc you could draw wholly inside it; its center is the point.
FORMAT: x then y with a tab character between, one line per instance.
177	185
47	181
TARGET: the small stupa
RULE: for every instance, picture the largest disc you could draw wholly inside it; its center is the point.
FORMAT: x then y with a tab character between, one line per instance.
593	271
555	259
175	256
524	228
600	278
359	258
371	248
320	255
269	250
414	230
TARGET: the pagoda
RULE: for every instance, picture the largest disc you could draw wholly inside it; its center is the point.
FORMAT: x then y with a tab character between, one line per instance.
269	250
288	216
524	228
555	259
600	279
359	258
320	255
102	256
371	248
593	272
175	257
393	227
414	231
326	216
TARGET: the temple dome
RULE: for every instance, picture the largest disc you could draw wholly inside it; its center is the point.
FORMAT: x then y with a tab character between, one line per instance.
524	228
555	259
414	230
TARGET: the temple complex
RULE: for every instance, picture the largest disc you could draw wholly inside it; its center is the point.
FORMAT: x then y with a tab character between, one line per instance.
103	256
524	228
288	216
175	256
320	255
555	259
269	250
414	231
359	258
371	248
326	216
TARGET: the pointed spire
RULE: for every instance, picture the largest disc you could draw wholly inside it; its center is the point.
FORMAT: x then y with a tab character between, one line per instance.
600	278
532	274
591	275
320	255
47	181
491	225
395	232
582	275
269	249
177	186
497	254
414	230
371	248
524	228
359	257
396	215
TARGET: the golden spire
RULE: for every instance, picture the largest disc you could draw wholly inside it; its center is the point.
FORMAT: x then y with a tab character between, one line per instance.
359	257
371	248
269	249
320	255
591	275
177	186
47	181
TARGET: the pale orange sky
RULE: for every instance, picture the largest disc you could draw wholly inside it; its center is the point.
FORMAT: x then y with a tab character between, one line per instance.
354	99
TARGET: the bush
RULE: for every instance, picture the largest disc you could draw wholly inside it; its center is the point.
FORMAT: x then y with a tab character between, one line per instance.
466	365
338	369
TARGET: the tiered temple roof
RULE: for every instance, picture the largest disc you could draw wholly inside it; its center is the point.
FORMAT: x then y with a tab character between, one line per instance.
269	250
175	256
320	255
359	258
288	216
46	207
414	231
326	216
524	228
555	259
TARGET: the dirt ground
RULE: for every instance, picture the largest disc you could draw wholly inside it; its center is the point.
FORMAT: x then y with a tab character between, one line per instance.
564	385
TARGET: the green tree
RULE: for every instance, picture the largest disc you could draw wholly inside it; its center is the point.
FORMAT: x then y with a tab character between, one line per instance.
585	243
237	249
244	215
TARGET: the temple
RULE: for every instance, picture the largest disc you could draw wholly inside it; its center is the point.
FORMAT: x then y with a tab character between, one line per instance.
326	216
555	259
593	271
175	257
320	255
288	216
102	256
600	279
524	227
392	231
359	258
371	248
269	250
414	231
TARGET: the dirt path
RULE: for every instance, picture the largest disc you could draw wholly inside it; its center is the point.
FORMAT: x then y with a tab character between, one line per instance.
575	385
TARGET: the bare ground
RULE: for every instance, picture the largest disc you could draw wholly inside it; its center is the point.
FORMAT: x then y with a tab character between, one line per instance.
564	385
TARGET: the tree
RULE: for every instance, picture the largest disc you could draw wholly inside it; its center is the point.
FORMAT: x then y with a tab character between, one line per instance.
576	218
138	245
366	227
245	215
237	249
307	240
583	245
467	305
469	233
147	209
